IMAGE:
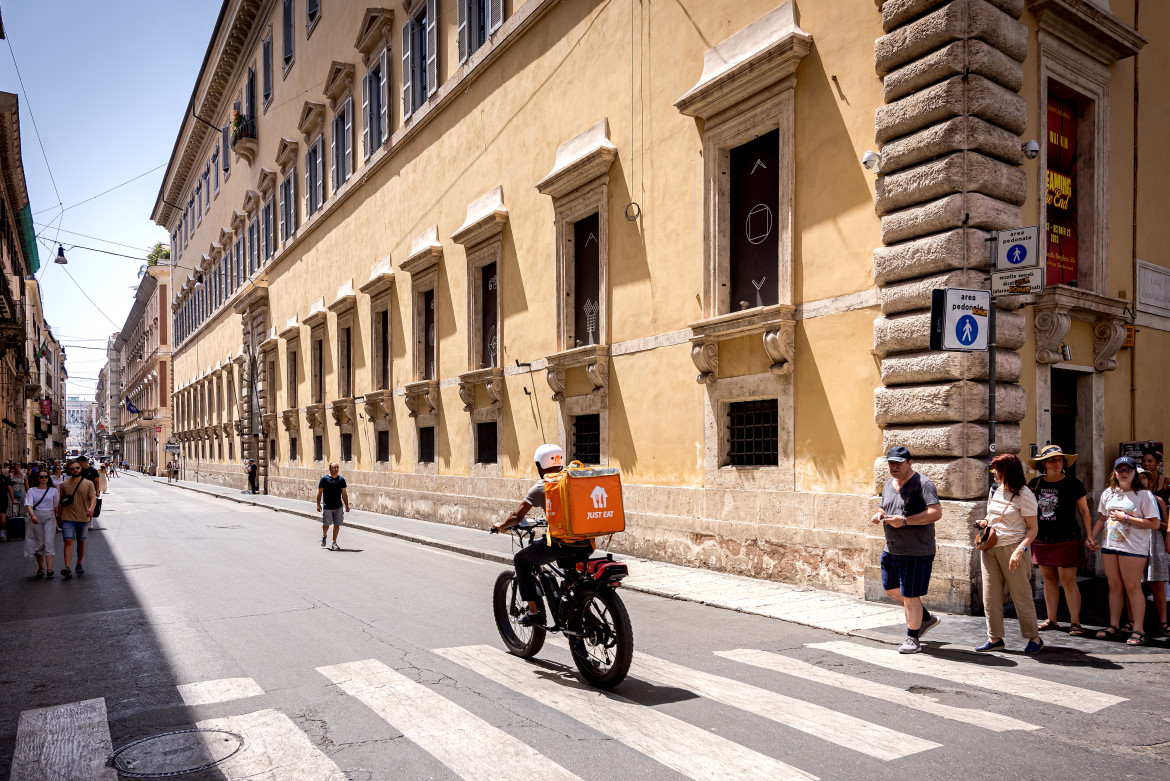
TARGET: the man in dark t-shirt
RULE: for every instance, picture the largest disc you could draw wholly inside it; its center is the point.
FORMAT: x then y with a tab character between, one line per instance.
6	498
908	511
331	490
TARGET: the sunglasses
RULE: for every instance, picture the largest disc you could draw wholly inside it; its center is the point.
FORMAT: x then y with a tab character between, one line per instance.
1123	469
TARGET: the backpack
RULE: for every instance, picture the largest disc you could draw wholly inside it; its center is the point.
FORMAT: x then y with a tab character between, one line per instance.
584	502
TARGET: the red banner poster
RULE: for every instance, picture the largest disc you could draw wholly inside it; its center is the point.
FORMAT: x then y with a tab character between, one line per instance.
46	407
1062	196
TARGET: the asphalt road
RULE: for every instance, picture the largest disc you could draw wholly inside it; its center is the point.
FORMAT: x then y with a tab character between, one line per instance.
183	589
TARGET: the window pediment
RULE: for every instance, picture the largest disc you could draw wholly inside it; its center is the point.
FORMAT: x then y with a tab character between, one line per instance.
486	216
375	28
760	55
345	298
214	250
425	252
312	119
317	313
292	328
252	201
225	237
1088	28
239	220
381	278
579	161
267	182
339	81
286	152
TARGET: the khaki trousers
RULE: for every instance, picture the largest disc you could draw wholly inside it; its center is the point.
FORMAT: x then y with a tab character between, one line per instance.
1019	583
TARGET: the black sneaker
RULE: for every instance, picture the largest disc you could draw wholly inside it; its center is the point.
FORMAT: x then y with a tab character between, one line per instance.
532	619
80	570
65	573
322	542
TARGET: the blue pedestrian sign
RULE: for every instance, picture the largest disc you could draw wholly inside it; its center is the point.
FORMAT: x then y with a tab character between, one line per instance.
959	319
1017	249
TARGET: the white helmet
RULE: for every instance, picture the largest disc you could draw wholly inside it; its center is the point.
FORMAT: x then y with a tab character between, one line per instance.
549	456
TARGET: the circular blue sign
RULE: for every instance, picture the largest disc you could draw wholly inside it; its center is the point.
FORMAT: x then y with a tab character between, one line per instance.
967	329
1016	254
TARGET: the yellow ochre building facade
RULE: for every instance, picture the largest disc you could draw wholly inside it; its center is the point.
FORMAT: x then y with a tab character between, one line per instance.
421	239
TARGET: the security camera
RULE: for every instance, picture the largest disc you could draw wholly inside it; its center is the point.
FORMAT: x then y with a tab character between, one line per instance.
1031	149
871	159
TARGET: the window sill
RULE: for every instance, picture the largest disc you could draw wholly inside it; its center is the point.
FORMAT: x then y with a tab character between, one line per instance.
315	416
378	405
291	418
422	397
344	411
777	325
493	381
595	359
1059	304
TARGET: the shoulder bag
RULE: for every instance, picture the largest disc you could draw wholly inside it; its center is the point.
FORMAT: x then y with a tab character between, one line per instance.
68	500
987	536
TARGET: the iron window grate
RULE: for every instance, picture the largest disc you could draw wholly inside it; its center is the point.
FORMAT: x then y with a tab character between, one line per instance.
753	438
587	439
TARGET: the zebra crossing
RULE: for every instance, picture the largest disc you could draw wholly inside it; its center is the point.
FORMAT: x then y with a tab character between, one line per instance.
72	740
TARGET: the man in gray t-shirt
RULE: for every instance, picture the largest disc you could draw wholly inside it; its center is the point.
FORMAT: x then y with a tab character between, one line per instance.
908	511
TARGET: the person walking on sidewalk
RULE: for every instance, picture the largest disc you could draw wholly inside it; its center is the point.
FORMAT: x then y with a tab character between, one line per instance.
253	476
1011	512
40	534
77	502
332	489
908	512
1061	501
7	499
1158	568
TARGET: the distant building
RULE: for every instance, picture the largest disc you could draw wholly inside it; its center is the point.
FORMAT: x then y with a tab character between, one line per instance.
143	356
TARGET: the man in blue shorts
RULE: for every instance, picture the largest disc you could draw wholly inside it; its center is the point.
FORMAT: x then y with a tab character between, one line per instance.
909	508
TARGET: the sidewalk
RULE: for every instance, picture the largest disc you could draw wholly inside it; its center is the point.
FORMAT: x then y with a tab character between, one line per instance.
839	613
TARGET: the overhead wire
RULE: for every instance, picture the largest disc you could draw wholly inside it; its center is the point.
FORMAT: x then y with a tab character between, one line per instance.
33	117
87	298
105	192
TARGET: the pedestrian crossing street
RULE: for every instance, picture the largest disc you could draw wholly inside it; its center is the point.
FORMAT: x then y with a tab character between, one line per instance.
72	741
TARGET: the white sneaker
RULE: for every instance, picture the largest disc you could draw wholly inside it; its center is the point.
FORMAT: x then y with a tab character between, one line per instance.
928	625
335	546
910	646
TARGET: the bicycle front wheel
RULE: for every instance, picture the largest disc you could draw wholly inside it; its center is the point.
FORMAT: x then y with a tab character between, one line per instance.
523	641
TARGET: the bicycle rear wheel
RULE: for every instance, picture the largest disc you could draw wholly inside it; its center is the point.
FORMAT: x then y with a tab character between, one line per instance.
605	649
523	641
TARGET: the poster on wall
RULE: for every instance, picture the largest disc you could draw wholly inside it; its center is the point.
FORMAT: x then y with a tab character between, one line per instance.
1136	450
1061	213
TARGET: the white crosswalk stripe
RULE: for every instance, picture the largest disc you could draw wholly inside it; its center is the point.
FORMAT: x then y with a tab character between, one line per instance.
222	690
825	723
274	747
468	745
810	672
63	743
693	752
974	674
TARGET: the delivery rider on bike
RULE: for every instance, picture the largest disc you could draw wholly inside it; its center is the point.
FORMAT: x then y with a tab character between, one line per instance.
549	459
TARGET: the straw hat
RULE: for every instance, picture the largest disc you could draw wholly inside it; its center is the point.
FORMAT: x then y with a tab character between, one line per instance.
1047	452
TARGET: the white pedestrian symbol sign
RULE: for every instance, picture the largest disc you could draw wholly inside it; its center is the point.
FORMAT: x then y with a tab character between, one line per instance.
966	329
1017	254
590	310
600	498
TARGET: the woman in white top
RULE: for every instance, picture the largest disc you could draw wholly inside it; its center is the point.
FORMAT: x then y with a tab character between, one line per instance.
1128	513
1011	511
41	531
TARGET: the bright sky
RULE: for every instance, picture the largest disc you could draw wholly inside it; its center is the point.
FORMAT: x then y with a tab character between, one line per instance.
108	84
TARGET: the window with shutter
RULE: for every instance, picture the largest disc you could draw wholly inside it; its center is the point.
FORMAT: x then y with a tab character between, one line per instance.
199	204
461	26
319	185
334	158
215	169
240	260
207	187
250	95
286	33
432	50
348	138
407	66
225	157
495	14
312	11
282	207
366	116
266	57
384	96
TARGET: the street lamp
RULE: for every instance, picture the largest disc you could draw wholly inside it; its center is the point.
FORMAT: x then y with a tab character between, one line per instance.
60	256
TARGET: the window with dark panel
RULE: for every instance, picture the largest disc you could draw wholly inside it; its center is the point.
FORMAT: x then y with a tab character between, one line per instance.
292	449
384	446
318	447
489	344
486	442
286	33
347	447
383	323
586	280
755	236
266	58
753	433
291	377
318	371
586	439
426	444
428	335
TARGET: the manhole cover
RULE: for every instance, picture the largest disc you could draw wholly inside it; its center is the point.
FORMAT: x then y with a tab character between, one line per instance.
175	753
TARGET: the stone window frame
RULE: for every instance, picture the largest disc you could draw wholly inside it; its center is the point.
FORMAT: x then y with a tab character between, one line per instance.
422	395
571	407
752	387
378	403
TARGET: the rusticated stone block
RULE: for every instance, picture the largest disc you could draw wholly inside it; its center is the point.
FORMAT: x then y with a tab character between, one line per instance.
952	440
968	171
953	478
953	22
944	366
910	333
916	294
951	402
955	249
954	60
896	13
980	98
953	135
971	209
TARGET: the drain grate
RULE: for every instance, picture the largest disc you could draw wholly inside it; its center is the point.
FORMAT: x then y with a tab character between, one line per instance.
175	753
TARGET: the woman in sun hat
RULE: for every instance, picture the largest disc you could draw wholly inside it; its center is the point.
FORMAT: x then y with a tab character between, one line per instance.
1063	511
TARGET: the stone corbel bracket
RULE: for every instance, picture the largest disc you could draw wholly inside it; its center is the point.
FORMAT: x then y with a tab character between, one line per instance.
595	359
291	419
315	416
240	430
422	398
1051	325
776	324
378	405
1108	336
491	379
268	423
343	411
226	428
1056	308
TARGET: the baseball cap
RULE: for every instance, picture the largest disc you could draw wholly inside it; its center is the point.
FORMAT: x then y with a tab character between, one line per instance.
1126	460
898	453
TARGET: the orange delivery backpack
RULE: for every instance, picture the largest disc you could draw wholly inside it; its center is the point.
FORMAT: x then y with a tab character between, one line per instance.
584	502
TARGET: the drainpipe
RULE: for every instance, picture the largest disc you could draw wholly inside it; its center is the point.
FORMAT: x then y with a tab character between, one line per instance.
1133	243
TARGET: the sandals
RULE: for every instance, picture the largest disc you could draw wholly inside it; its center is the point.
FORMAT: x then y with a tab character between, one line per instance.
1164	629
40	574
1076	630
1108	633
48	574
1137	638
1047	624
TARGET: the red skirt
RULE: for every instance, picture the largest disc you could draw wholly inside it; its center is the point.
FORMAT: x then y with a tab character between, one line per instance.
1056	554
